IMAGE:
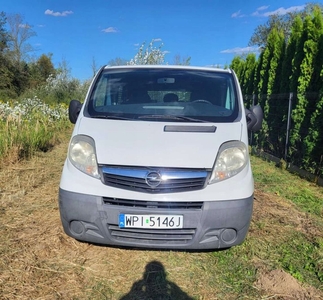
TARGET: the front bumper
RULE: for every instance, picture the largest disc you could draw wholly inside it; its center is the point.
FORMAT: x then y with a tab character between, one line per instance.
213	225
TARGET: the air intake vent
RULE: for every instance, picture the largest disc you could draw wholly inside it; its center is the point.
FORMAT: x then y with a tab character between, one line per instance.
149	236
153	204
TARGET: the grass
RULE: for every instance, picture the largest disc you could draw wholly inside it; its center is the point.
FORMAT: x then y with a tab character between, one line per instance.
298	248
307	195
282	256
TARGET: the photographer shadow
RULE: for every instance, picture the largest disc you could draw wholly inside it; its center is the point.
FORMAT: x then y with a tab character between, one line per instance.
154	285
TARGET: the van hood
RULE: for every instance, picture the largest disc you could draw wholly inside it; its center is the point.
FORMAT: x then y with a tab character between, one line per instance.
151	144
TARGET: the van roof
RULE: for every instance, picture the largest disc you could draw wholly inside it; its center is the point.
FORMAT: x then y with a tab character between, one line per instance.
179	67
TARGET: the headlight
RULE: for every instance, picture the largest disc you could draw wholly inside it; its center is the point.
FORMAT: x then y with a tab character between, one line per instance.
232	158
82	155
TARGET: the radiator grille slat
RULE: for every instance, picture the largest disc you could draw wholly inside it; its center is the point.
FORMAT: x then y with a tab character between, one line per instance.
162	181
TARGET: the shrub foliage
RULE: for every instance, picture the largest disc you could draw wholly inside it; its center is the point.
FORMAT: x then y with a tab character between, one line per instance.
287	64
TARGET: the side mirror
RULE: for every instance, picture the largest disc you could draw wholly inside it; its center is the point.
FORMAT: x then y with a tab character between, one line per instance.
254	118
74	110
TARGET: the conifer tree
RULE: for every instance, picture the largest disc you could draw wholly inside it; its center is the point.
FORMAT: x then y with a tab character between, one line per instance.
237	65
313	142
292	43
248	86
279	103
270	61
276	42
302	113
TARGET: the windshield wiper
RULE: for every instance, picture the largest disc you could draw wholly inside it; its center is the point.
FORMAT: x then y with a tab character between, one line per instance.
171	118
110	117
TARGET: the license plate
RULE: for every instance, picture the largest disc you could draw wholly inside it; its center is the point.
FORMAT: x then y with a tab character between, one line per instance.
150	221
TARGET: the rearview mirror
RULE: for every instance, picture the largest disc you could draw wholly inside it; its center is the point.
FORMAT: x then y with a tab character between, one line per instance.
74	110
254	118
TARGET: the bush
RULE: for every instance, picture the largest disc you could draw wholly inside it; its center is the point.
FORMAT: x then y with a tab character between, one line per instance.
60	89
29	126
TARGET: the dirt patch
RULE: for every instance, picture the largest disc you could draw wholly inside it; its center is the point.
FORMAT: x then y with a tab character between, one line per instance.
276	213
274	216
281	285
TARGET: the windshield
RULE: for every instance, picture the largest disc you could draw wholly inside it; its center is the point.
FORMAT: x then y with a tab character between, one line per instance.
163	94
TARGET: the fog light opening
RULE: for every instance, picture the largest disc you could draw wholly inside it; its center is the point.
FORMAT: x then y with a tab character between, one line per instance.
229	235
77	227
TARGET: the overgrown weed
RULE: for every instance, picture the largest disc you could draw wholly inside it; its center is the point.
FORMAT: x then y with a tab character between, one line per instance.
29	126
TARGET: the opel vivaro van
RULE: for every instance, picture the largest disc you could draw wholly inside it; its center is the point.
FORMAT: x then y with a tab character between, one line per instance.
159	159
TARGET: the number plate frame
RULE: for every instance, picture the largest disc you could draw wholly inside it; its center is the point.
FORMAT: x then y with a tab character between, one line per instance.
151	221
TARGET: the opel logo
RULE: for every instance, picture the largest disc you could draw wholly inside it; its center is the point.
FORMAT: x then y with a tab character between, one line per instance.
153	179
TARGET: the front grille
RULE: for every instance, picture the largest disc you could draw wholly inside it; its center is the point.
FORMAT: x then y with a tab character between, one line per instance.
154	180
152	236
152	204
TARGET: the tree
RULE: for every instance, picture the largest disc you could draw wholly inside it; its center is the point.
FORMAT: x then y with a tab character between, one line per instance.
6	75
313	156
311	76
237	64
307	48
5	72
316	80
150	55
185	61
19	33
245	67
292	45
291	63
41	70
249	74
45	66
94	66
4	37
270	68
21	77
273	104
282	23
117	62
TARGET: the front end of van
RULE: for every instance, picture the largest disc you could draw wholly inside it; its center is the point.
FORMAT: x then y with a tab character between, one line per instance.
159	159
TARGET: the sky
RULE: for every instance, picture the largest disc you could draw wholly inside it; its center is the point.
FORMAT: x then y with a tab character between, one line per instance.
93	32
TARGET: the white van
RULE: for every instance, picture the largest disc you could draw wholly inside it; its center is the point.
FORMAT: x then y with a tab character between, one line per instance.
159	159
